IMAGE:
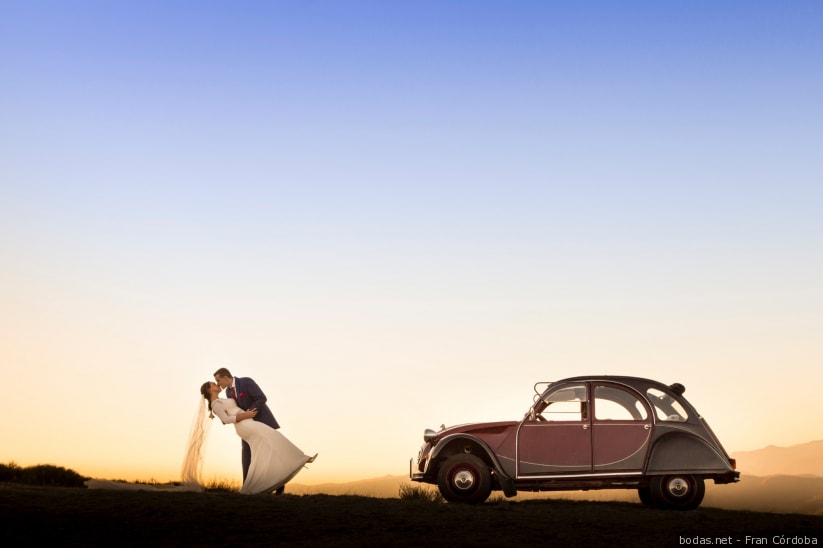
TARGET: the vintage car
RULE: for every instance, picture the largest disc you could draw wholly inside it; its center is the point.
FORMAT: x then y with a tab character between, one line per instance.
591	432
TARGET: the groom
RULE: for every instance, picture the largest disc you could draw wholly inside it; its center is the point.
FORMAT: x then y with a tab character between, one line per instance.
248	396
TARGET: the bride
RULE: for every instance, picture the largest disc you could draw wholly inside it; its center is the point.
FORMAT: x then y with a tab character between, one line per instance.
274	459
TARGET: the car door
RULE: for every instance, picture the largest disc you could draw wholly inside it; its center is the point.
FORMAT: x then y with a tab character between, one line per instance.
557	440
621	429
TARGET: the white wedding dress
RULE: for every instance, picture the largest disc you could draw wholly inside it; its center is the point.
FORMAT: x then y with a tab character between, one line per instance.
274	459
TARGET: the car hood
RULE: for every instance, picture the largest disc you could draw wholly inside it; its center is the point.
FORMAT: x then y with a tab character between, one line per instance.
478	428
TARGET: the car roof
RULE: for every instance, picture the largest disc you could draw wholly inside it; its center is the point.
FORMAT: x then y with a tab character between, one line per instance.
634	382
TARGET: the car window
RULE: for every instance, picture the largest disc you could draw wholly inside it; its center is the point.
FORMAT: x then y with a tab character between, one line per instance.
566	403
666	407
612	403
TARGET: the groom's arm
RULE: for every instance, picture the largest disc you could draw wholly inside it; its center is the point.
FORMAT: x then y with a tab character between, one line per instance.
258	398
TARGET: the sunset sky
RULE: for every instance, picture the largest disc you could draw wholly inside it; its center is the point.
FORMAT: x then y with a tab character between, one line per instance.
397	214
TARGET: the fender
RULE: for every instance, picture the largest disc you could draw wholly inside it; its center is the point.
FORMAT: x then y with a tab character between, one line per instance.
506	483
682	451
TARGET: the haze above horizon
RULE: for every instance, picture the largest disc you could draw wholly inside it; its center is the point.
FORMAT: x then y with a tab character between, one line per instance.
395	215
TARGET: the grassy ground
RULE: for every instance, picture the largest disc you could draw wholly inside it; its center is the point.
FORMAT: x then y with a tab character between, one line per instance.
61	515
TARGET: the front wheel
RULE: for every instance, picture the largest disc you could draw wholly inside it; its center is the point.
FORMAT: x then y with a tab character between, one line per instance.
464	478
677	492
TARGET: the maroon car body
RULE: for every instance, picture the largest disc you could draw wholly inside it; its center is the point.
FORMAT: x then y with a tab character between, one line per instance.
591	432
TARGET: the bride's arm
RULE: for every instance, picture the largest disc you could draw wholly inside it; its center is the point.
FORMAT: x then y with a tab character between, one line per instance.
218	409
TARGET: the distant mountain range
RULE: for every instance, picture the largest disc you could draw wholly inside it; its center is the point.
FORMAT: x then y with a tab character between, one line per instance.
772	479
795	460
385	487
778	494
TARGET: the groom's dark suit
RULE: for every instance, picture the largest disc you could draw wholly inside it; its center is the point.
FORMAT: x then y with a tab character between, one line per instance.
249	396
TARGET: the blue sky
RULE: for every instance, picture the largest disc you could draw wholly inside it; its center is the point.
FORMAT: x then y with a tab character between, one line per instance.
446	200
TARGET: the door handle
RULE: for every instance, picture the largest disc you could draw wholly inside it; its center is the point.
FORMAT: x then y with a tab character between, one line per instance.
647	426
586	426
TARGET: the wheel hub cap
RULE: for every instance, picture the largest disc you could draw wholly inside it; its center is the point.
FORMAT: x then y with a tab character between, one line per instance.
464	480
678	487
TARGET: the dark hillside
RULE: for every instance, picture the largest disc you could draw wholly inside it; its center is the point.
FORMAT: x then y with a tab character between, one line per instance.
34	515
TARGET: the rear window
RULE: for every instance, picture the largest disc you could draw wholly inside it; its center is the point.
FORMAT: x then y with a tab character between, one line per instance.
666	407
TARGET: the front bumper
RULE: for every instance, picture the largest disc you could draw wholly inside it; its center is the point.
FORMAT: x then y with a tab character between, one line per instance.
414	470
414	475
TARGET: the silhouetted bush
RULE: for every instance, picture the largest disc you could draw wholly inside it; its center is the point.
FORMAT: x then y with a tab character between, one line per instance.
9	472
419	493
41	474
221	486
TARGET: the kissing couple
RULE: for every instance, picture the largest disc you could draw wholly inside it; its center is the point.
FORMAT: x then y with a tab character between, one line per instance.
270	460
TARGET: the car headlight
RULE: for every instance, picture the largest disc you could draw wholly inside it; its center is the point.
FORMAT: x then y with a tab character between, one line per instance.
429	435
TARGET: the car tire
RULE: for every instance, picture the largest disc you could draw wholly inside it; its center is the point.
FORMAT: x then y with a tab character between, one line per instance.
464	478
677	491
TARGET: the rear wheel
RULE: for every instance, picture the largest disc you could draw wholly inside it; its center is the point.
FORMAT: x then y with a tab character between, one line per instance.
464	478
677	491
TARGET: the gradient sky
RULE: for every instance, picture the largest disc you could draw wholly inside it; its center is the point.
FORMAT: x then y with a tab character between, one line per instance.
394	215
